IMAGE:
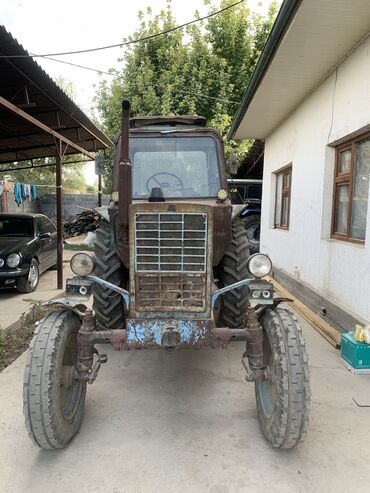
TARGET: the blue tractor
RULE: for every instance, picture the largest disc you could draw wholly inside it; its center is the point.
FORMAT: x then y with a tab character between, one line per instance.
245	196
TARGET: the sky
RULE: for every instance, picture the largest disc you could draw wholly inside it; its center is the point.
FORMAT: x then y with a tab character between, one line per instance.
47	26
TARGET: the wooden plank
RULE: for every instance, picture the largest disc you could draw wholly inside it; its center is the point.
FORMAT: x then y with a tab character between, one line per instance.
320	325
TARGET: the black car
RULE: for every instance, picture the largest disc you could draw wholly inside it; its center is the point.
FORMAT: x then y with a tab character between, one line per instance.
28	247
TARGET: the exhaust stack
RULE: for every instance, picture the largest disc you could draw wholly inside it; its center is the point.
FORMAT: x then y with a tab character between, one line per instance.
124	175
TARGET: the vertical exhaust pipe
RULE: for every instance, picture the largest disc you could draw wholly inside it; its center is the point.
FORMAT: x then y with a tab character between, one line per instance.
125	176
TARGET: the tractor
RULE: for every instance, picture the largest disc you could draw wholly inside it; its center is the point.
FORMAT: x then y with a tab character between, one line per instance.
171	270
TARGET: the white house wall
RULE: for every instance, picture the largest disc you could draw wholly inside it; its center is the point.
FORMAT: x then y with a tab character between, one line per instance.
336	111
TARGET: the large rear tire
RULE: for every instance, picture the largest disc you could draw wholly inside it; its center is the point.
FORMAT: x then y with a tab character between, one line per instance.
53	407
252	225
108	305
283	399
233	268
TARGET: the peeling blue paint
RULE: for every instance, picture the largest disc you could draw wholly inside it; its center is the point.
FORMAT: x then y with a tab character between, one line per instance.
149	333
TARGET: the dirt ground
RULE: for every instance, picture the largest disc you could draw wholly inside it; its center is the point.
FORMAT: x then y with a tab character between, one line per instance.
14	340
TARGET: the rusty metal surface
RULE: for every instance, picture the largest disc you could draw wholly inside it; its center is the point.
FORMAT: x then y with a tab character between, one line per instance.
221	231
147	334
171	291
144	121
125	176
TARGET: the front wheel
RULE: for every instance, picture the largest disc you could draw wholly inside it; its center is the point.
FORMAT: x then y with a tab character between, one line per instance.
29	283
53	405
283	399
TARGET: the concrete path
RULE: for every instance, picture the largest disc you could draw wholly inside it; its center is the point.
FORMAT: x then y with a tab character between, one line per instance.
14	304
186	422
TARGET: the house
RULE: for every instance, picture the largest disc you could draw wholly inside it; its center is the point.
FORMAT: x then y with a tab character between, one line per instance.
309	100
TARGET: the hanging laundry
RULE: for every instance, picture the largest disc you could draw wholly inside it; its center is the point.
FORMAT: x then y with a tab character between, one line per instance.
8	186
28	191
18	193
33	192
23	191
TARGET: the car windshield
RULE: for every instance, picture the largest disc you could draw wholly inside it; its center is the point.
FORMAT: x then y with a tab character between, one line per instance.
180	166
16	226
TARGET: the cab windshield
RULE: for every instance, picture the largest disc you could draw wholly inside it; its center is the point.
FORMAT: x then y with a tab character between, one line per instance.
181	166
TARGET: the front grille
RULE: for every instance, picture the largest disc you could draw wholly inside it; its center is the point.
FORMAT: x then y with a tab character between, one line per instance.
170	242
172	291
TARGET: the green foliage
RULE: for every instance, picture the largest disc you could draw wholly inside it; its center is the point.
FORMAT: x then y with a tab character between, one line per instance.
203	69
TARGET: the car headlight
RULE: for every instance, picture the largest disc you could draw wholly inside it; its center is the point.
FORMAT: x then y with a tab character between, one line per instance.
82	264
1	262
259	265
13	260
222	194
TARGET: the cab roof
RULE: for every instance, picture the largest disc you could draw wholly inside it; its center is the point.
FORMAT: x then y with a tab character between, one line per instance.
167	121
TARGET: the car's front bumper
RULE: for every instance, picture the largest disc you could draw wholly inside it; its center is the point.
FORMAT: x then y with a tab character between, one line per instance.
9	277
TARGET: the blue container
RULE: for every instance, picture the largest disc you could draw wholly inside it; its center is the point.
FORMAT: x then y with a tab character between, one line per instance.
356	354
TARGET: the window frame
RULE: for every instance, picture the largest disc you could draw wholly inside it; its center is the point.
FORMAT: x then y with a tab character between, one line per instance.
285	192
346	179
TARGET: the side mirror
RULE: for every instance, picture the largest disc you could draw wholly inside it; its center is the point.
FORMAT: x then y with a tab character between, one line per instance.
232	165
44	235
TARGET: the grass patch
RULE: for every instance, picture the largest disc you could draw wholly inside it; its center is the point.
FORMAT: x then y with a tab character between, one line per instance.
78	248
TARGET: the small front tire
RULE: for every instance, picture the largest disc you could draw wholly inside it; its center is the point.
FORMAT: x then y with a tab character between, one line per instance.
53	408
283	399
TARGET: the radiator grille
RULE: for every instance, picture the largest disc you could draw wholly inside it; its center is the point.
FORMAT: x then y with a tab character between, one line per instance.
176	291
170	242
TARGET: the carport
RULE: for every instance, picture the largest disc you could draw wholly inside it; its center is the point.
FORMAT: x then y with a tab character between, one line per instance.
38	120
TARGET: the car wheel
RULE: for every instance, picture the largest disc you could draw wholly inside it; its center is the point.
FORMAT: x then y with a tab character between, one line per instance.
29	283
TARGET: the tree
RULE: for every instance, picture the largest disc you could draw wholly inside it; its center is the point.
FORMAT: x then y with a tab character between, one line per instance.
203	69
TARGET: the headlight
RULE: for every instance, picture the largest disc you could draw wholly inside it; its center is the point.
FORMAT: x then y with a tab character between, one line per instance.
259	265
1	262
222	194
82	264
13	260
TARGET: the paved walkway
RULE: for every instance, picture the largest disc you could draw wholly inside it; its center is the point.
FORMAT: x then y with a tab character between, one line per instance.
186	422
14	304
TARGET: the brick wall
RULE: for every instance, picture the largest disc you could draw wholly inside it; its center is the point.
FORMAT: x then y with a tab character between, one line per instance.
72	204
26	206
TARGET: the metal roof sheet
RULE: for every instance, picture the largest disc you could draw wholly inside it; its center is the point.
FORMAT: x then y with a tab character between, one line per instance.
26	85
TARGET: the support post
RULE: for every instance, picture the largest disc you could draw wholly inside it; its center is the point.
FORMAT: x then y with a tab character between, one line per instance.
99	191
4	202
59	200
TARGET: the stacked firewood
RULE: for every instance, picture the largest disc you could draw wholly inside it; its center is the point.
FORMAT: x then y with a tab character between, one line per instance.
87	220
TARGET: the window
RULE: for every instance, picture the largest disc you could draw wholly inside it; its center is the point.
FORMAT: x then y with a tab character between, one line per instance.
180	166
282	198
351	190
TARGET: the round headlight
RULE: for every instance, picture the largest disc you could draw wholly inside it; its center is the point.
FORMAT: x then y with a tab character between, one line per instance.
82	264
13	260
222	194
1	262
259	265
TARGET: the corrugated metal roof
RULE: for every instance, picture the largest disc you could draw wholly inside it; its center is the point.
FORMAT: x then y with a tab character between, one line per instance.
25	84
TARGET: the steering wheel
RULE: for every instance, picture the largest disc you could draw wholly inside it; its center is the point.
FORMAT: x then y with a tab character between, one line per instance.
159	180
